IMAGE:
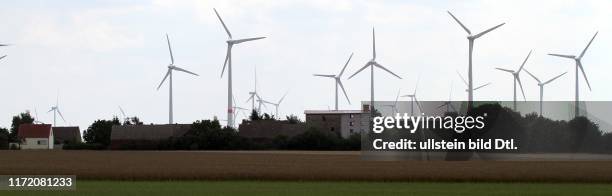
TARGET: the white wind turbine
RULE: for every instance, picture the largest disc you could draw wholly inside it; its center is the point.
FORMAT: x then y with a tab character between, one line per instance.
413	98
468	86
277	104
1	57
394	105
372	63
517	78
541	84
578	60
228	63
237	108
56	110
449	103
338	82
171	67
254	96
471	39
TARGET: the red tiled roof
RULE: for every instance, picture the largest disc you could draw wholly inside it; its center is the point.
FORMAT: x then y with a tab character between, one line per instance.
34	131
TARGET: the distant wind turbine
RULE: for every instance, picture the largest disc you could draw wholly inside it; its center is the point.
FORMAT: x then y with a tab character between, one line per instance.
56	110
372	63
228	62
338	82
449	103
277	104
517	78
413	98
471	39
171	68
394	105
466	84
578	61
253	95
541	84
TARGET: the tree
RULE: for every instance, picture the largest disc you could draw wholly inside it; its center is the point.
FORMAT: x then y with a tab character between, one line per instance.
22	118
4	139
254	116
132	121
99	132
293	119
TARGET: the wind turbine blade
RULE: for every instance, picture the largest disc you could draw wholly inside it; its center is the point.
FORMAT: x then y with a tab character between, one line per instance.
122	112
488	30
250	98
418	104
373	44
525	61
382	67
282	98
417	85
51	110
364	67
397	97
555	78
563	56
345	65
521	85
444	104
407	96
162	82
462	26
487	84
462	79
183	70
506	70
227	56
587	47
60	114
2	57
324	75
248	39
170	49
452	107
344	91
533	76
584	74
225	27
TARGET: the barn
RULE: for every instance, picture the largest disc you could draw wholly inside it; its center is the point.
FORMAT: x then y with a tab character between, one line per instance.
35	136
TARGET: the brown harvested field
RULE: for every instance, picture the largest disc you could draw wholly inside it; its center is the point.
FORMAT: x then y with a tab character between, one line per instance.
288	165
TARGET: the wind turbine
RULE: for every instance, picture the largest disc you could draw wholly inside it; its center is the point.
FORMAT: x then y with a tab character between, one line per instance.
123	113
56	110
228	63
372	63
338	82
578	60
468	86
394	105
541	84
449	103
471	39
1	57
517	78
253	95
413	98
277	104
171	67
237	108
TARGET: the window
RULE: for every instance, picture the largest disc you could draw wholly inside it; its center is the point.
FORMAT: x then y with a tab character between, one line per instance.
352	131
323	118
332	129
351	116
351	123
42	142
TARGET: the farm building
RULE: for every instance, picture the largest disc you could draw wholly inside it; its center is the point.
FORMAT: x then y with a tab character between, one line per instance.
122	135
35	136
65	135
269	129
342	122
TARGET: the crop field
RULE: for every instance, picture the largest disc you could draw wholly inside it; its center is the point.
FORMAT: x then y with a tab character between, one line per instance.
289	166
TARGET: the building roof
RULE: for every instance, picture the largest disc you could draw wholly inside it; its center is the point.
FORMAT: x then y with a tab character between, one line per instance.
34	131
148	132
67	134
334	112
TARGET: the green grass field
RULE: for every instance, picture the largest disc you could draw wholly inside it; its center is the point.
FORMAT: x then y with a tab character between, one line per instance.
172	188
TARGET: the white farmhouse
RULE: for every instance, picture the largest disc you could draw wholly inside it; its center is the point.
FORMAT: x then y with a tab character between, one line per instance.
35	136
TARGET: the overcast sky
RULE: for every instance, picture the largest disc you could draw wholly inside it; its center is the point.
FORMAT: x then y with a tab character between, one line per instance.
102	54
